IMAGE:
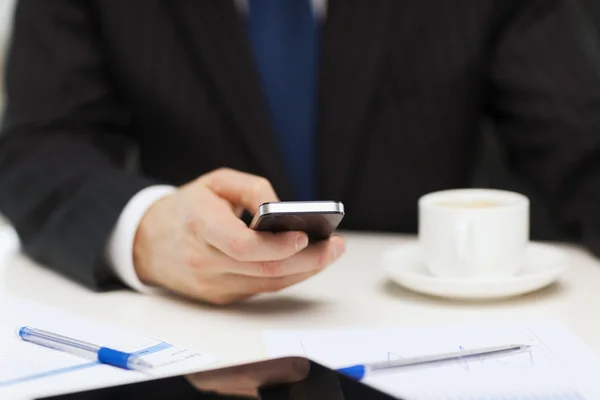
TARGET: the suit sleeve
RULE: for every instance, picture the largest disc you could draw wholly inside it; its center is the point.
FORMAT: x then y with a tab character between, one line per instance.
545	102
64	138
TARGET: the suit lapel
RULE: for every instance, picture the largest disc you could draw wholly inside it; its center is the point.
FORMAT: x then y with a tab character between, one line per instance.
355	38
215	33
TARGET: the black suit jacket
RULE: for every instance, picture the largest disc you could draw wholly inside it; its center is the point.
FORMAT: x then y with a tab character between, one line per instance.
403	84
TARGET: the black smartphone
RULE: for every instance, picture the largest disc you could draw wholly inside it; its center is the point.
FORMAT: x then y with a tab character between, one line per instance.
286	378
319	219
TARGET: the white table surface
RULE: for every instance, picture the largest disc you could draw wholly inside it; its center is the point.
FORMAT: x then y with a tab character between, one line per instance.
352	293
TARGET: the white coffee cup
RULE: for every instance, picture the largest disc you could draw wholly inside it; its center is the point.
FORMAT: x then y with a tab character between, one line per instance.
473	233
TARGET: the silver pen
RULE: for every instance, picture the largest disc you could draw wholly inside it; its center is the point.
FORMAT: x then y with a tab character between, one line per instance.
360	370
104	355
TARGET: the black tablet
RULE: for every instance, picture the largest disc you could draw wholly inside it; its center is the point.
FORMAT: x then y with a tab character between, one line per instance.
288	378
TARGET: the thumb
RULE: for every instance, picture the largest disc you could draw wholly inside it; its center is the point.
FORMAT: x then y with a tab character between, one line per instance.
240	188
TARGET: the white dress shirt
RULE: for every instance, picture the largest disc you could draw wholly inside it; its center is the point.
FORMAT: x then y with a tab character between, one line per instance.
119	249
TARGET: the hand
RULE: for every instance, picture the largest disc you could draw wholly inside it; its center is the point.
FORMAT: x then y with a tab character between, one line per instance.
194	243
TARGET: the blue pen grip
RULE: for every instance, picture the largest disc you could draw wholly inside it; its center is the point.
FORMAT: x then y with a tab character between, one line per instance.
113	357
355	372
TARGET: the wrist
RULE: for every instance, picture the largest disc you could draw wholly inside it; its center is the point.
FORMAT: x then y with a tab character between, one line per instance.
145	234
119	247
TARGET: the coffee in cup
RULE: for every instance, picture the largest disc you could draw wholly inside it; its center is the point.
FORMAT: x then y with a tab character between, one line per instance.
473	233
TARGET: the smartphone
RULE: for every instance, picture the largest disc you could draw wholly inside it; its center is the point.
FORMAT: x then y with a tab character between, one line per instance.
319	219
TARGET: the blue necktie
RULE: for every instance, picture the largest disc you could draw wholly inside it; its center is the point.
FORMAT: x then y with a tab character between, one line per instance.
284	38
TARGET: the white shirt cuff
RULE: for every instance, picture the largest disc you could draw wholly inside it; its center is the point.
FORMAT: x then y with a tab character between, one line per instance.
119	249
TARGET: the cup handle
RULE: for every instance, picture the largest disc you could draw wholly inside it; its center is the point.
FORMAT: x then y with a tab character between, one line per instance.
463	232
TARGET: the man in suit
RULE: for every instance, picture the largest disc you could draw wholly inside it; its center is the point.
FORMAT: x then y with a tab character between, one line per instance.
235	103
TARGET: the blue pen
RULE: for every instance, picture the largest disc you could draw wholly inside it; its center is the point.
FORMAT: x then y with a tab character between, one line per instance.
76	347
359	371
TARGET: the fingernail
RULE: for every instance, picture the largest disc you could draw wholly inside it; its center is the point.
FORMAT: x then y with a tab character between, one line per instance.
301	242
338	249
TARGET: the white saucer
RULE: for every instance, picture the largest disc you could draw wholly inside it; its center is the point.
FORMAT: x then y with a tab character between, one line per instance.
543	264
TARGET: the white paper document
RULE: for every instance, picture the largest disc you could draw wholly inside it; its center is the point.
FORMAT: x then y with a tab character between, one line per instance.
558	365
28	370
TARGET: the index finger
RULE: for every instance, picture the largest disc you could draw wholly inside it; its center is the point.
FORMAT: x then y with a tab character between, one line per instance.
241	188
224	231
244	244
